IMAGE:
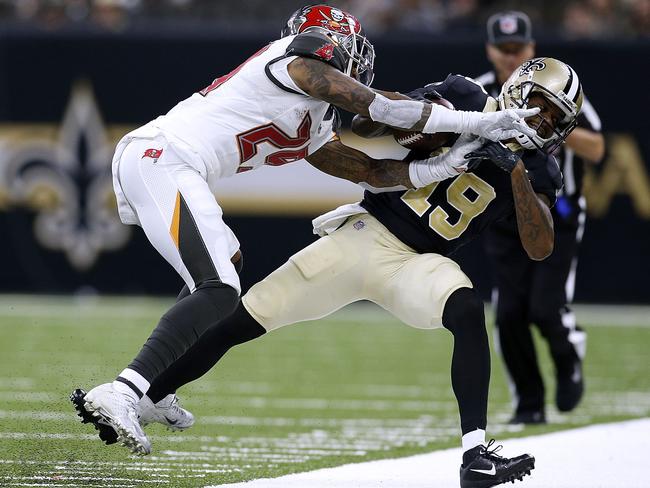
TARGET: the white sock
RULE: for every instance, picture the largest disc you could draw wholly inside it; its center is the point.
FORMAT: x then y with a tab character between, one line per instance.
134	378
473	439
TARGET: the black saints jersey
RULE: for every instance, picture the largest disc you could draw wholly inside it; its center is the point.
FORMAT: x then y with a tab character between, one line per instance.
447	214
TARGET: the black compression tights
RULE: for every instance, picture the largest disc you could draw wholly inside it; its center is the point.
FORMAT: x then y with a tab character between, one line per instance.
240	327
470	363
182	326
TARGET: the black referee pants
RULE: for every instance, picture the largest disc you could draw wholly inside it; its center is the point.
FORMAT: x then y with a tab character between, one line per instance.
531	292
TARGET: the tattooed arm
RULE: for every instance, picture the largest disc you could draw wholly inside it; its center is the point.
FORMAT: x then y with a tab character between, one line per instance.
337	159
322	81
534	219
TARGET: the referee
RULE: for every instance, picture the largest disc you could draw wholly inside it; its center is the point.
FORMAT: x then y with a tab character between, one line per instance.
538	292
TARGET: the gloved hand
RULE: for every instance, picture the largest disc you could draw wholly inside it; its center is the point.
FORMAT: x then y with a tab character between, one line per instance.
496	152
451	163
500	125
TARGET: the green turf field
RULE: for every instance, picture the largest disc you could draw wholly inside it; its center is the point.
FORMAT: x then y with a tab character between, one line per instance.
354	387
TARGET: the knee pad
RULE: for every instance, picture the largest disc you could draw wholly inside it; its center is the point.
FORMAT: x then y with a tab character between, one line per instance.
265	301
464	308
219	295
211	302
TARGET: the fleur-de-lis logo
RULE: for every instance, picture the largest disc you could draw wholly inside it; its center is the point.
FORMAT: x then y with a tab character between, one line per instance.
536	64
67	183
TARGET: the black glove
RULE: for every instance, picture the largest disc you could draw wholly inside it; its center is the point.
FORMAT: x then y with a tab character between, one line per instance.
496	152
424	94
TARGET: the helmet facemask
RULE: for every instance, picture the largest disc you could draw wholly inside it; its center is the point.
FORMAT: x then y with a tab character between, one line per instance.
360	54
547	137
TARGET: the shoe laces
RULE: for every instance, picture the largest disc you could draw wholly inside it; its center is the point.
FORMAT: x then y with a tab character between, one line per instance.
491	454
173	406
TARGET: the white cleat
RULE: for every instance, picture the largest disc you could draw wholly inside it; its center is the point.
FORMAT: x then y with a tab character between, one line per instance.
119	411
167	412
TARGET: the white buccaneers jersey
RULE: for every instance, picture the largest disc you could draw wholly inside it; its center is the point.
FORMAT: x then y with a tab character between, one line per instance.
254	115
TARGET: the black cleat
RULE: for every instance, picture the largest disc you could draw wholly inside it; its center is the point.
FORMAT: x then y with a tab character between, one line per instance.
570	386
482	468
569	372
533	417
106	432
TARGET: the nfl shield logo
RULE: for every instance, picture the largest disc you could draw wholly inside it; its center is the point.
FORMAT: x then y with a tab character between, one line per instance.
508	25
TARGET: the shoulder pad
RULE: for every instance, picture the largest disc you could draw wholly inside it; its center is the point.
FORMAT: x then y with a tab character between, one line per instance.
317	46
464	93
544	173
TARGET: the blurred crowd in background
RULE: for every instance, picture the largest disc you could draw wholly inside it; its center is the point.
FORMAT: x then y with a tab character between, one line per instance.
570	19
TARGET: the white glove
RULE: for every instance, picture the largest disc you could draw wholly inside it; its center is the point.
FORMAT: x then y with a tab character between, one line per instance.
447	165
501	125
496	126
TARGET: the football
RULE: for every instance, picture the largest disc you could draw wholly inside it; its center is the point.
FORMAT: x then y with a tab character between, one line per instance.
424	142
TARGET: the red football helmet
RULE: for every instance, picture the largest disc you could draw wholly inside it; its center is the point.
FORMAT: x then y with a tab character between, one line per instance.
344	29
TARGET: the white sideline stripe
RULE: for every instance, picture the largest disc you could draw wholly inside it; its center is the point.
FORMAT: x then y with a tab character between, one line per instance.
598	456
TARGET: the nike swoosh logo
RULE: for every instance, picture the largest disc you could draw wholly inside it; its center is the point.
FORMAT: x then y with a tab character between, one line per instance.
490	472
171	422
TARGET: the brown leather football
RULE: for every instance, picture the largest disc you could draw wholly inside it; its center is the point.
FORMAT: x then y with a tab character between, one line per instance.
424	142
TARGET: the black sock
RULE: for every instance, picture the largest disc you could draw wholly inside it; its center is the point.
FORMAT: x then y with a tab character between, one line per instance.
182	326
240	327
470	363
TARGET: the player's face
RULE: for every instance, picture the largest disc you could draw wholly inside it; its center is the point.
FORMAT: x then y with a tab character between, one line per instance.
506	57
548	118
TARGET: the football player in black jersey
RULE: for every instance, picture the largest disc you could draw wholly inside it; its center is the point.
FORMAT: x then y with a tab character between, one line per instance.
539	292
394	249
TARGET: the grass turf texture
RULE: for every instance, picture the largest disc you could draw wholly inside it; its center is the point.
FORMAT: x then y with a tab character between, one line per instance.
353	387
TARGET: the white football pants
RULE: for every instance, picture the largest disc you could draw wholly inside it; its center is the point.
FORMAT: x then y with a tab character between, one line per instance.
178	212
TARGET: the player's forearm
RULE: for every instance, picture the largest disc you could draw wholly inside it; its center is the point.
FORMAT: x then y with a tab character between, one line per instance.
326	83
534	221
342	161
587	144
368	128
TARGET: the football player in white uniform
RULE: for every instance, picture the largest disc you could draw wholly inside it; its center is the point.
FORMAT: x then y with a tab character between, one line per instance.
274	109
